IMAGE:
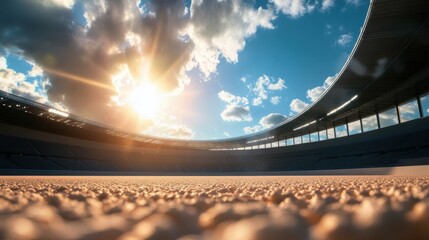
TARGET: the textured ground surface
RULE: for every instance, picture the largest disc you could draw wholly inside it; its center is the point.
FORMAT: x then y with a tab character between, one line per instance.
385	207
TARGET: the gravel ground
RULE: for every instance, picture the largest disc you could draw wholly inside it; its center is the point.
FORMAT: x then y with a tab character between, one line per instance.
188	208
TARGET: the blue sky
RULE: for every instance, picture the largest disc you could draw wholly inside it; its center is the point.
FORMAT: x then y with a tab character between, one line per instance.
235	71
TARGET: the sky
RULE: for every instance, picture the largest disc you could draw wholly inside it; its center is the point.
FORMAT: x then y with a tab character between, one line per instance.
177	69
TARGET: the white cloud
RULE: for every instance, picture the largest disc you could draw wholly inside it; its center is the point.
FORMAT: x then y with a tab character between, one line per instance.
294	8
226	96
341	133
328	29
275	100
409	111
388	118
93	10
257	101
249	130
236	110
314	93
409	108
370	122
267	121
16	83
220	28
36	70
232	99
170	130
326	4
353	2
331	133
226	134
388	115
329	80
354	127
166	126
234	113
297	105
344	39
60	3
261	87
3	63
279	85
272	119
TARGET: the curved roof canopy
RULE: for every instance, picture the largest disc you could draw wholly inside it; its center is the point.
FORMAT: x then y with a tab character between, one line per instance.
388	65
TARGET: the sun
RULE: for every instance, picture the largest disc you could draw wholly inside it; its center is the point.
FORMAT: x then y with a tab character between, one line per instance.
146	100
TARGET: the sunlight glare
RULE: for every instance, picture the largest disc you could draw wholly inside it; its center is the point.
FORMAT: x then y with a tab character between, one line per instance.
146	100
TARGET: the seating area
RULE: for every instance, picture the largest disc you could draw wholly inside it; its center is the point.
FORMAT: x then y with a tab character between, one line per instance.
399	145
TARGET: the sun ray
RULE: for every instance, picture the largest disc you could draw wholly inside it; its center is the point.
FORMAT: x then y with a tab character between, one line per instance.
79	79
153	49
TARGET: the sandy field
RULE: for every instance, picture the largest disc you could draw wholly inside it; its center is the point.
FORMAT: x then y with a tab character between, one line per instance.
245	207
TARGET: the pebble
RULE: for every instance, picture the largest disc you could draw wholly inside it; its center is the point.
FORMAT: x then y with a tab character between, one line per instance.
208	208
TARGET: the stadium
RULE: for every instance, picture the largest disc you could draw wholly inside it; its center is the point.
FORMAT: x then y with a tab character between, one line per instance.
373	120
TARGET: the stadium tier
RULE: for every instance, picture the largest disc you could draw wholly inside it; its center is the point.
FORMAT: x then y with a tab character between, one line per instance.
375	114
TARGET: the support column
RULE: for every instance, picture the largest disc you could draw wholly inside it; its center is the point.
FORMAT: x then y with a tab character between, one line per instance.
397	113
347	127
378	120
419	104
317	129
335	130
361	123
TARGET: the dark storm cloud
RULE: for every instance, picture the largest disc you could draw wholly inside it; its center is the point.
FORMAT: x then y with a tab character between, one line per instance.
48	35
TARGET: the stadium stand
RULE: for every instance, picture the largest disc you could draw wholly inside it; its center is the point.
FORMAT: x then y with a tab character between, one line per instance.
34	136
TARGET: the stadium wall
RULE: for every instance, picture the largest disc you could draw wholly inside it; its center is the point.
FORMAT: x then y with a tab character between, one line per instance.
404	144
